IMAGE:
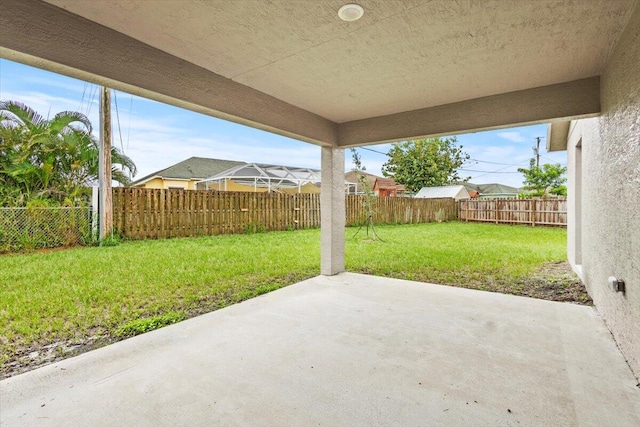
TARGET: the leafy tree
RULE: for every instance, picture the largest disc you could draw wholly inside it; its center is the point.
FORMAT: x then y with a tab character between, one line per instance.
426	162
52	159
548	179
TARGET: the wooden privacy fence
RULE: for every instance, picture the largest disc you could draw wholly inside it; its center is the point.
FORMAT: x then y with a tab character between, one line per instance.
141	213
515	211
400	210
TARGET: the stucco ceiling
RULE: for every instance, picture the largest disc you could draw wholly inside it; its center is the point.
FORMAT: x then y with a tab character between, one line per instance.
407	69
401	56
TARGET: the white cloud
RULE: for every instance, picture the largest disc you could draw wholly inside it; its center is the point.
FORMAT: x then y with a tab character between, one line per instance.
512	136
70	85
43	103
141	125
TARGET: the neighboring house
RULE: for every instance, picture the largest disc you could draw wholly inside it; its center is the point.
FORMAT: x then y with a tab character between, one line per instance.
201	173
492	191
382	187
352	176
387	187
185	174
457	192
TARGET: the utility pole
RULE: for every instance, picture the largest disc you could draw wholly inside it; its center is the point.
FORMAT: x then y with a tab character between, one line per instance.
536	151
104	165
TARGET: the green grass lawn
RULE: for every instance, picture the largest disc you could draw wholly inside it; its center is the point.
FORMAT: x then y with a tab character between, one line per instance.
99	294
457	253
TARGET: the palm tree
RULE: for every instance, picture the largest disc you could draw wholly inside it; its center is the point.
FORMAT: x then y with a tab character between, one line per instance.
50	159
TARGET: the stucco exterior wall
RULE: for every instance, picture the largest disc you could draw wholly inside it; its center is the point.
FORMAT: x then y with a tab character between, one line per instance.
610	215
234	186
574	193
167	183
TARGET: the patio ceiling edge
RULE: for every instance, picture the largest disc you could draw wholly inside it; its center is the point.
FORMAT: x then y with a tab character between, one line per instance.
570	100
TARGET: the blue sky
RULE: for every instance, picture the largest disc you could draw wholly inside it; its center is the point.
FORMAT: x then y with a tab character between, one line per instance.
157	135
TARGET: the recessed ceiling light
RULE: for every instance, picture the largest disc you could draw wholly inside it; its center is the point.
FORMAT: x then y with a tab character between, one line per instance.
351	12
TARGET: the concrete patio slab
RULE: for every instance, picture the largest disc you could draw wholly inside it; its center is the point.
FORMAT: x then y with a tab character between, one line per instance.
346	350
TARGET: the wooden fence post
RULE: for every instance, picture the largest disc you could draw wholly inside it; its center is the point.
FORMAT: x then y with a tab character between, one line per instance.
533	212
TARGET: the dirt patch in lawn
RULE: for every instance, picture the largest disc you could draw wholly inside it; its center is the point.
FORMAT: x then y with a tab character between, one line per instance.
27	358
553	281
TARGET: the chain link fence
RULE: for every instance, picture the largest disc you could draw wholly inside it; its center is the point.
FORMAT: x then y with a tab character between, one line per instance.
24	229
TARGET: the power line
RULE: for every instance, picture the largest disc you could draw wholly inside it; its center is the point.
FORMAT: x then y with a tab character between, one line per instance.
473	160
501	169
551	160
95	90
84	90
491	163
129	126
508	165
115	100
486	172
375	151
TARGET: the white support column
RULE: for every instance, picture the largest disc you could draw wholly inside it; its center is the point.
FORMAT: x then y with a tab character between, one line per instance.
332	212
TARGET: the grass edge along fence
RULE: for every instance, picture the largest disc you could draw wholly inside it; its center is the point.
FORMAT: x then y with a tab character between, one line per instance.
142	213
534	212
30	228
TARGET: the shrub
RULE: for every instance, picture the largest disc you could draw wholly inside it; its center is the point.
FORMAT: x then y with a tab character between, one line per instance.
140	326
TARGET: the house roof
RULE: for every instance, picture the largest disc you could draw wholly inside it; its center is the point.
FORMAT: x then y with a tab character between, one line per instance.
497	189
192	168
493	188
445	191
388	184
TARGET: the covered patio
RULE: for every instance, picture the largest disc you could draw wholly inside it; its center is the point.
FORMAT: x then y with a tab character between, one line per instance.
346	349
349	350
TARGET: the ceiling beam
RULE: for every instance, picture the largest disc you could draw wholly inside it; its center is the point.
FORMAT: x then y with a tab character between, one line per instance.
45	36
557	135
576	99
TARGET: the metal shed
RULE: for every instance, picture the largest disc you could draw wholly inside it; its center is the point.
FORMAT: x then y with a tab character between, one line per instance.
457	192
